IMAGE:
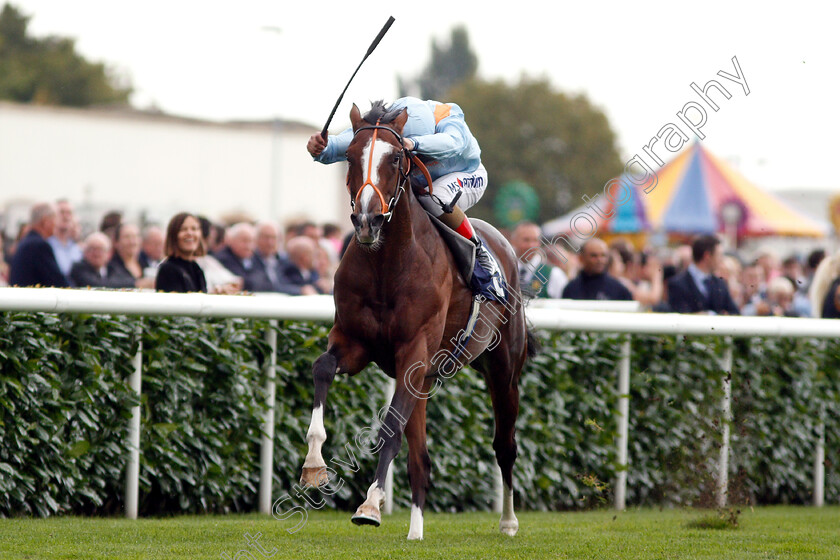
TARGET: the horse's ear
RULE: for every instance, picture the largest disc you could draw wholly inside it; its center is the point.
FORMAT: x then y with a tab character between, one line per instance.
355	117
400	121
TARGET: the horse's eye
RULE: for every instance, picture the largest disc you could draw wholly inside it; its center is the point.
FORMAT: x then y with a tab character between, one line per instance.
396	159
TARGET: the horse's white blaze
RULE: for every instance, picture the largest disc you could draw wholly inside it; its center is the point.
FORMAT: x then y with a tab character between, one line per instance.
508	524
376	153
415	530
316	436
366	196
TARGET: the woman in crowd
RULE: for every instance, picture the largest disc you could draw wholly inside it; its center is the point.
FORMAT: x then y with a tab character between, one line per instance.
179	272
777	301
640	272
125	270
326	267
729	268
825	288
4	266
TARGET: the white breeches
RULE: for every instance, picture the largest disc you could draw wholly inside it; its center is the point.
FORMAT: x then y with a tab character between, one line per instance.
472	186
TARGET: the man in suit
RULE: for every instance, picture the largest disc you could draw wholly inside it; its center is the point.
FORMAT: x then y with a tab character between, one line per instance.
298	274
62	241
238	254
537	277
34	262
92	270
151	248
697	289
267	272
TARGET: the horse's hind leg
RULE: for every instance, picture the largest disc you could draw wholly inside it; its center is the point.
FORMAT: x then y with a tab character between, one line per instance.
505	446
419	467
502	378
343	355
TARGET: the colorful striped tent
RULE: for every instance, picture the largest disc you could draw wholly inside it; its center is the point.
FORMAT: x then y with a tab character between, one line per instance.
694	192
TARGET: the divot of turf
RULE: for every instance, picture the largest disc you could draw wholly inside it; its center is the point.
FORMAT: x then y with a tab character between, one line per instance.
722	519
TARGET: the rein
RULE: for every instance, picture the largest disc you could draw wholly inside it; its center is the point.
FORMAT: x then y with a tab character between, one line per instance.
402	179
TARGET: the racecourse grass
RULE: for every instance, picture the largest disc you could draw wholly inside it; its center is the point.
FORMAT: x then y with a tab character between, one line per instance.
761	533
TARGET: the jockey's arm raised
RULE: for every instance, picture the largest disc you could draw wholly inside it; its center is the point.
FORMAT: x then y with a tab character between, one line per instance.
438	131
336	147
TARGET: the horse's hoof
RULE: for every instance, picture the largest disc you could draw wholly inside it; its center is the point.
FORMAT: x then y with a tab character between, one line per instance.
509	527
367	515
314	476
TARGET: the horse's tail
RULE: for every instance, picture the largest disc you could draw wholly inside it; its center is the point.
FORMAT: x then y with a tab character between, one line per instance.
532	344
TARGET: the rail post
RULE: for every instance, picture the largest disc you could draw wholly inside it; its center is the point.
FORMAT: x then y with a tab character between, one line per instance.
623	423
726	420
267	440
132	471
819	461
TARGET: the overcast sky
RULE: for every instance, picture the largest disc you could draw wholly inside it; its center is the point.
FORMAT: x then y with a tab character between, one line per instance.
257	59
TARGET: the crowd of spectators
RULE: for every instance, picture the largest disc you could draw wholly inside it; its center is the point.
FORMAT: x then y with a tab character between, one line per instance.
699	276
244	257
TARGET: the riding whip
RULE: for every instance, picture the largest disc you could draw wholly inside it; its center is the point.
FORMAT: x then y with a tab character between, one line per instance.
373	45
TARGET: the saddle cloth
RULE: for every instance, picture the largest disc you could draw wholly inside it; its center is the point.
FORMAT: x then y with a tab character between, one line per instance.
463	250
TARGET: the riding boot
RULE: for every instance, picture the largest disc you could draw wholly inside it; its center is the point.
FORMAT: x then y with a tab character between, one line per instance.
487	278
486	260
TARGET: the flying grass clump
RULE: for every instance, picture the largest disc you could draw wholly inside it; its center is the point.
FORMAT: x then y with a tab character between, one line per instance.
724	518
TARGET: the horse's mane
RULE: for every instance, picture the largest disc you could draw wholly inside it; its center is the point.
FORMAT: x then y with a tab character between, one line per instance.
382	113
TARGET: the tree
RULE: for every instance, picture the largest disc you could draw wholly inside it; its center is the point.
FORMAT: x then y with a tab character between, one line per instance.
49	71
449	66
560	145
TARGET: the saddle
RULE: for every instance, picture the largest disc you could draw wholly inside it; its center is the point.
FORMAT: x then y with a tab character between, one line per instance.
463	250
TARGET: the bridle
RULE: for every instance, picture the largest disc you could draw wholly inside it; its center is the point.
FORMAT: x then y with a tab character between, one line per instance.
402	178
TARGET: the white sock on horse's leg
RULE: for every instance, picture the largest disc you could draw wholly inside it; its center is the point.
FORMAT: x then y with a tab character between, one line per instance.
316	436
375	495
415	530
369	512
508	524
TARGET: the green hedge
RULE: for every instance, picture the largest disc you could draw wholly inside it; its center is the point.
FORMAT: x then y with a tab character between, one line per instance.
64	408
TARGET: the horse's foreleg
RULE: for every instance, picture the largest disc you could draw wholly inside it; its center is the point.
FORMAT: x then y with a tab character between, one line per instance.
314	467
390	436
388	445
419	465
343	356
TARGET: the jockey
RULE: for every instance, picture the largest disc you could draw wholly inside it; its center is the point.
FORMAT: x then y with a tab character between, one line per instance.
438	134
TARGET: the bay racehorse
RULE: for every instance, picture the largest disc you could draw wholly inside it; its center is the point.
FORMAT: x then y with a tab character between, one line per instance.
402	304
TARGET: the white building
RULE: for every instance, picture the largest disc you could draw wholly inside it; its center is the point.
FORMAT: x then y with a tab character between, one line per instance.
153	165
